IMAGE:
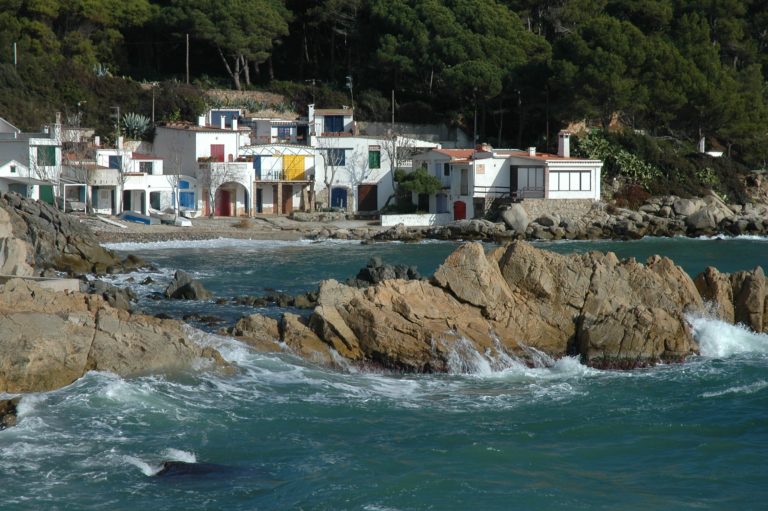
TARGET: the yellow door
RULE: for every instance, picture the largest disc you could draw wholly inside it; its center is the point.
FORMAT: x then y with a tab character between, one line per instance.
293	168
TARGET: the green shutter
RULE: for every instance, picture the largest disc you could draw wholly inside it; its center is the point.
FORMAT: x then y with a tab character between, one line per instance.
374	159
46	155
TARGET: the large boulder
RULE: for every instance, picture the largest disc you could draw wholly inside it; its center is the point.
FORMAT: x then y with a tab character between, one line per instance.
515	217
50	339
184	287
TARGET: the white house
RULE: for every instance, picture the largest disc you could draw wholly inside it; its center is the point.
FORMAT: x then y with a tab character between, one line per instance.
31	160
212	155
357	172
481	176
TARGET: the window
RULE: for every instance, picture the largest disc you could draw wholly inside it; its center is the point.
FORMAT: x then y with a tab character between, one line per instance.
446	169
13	169
115	162
374	157
336	157
46	155
283	133
530	178
464	185
145	167
570	181
333	123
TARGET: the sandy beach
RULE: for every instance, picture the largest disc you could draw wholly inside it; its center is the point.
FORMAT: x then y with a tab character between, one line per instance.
263	227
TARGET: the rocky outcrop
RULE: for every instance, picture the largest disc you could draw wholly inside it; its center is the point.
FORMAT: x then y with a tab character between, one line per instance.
50	339
613	313
8	412
36	235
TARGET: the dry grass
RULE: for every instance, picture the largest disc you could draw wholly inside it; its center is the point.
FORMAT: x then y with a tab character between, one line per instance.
243	223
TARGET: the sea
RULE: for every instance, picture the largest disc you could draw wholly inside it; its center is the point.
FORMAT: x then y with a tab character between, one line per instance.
280	433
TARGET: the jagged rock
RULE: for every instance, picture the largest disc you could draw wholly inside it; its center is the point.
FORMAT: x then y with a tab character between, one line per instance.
629	337
749	298
716	289
50	339
52	239
376	271
184	287
507	301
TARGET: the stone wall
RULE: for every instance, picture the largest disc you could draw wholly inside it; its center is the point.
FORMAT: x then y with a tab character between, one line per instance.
422	220
573	209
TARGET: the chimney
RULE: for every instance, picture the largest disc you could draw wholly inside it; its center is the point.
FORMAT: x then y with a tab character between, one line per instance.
564	144
201	120
702	145
531	151
120	142
234	124
97	141
222	122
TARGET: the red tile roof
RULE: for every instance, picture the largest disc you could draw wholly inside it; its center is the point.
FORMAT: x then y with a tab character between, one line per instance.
456	153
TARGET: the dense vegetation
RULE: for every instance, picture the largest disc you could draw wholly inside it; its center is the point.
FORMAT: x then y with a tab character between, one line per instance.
514	70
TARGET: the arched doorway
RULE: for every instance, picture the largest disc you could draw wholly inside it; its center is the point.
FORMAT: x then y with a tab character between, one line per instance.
459	210
231	199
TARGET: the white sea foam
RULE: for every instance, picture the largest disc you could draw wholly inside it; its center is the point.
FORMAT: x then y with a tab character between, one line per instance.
718	339
212	243
179	455
741	389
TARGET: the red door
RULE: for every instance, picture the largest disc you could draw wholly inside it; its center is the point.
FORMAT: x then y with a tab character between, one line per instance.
459	210
217	152
223	203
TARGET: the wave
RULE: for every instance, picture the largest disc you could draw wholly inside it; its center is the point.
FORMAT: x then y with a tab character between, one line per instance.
170	454
741	389
718	339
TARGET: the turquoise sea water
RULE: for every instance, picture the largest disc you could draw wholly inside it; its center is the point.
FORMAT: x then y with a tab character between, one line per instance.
283	434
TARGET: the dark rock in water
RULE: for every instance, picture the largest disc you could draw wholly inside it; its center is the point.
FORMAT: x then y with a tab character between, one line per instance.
8	412
377	271
147	281
204	319
184	287
183	468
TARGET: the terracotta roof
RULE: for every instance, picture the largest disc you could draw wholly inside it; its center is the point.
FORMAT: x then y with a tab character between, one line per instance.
456	153
333	111
140	156
540	156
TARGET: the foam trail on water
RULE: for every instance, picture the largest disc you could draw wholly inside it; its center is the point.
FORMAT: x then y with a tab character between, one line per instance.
718	339
179	455
742	389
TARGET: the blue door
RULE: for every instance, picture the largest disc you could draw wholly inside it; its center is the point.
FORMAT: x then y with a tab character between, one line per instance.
257	166
186	199
339	198
442	203
333	123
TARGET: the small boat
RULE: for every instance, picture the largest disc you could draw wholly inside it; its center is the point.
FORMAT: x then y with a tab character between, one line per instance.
133	216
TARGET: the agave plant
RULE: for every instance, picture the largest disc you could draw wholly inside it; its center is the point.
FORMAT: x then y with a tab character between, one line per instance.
135	125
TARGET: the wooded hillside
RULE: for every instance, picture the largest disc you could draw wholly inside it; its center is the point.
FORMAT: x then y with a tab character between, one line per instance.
680	69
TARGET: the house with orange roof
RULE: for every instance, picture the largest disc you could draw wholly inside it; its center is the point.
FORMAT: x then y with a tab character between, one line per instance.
473	179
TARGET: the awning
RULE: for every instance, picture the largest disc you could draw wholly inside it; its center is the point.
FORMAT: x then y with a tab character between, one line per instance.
25	181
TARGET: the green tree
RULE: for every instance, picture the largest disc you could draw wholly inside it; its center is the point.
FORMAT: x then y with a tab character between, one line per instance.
241	31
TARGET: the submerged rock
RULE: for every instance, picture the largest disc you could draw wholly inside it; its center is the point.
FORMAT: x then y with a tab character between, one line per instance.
184	287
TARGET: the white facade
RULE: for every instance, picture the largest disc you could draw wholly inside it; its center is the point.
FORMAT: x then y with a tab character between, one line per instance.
478	177
359	166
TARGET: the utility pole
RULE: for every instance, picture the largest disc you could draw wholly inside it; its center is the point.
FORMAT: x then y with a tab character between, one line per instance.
117	124
351	92
187	59
15	56
393	110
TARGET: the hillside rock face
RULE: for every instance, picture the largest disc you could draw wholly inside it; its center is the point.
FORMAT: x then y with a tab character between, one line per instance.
36	235
50	339
613	313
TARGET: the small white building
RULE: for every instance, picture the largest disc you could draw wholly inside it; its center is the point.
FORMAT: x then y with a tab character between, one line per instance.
212	155
31	160
284	177
479	176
